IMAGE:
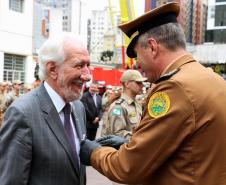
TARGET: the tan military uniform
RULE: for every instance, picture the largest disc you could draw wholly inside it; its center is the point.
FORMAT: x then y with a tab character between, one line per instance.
5	101
181	138
123	116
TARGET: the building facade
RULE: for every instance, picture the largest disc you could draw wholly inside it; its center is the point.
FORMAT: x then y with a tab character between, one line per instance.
204	23
192	17
73	15
100	25
16	22
216	25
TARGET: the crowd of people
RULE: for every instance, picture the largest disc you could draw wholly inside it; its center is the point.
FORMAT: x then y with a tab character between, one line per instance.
9	91
174	134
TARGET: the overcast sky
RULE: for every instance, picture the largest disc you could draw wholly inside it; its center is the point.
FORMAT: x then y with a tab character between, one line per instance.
100	4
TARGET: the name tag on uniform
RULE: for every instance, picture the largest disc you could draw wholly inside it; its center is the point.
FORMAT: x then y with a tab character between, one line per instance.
132	114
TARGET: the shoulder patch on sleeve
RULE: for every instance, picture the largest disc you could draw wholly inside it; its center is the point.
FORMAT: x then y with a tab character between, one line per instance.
116	111
158	105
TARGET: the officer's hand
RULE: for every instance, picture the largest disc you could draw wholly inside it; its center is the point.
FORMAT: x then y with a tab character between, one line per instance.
86	149
112	141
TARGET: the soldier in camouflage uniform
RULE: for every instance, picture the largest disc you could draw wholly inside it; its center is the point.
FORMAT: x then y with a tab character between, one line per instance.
7	97
3	105
124	114
15	93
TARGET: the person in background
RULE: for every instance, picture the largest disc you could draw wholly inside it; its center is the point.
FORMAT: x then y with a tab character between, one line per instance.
93	105
125	113
105	97
28	88
14	93
41	132
3	106
181	138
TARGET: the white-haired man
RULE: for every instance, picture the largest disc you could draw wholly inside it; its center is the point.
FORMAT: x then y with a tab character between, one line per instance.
40	138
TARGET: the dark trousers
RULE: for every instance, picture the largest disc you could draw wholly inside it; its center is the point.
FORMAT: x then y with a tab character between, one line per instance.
91	133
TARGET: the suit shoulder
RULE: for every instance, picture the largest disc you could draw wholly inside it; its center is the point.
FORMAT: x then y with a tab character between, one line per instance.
26	101
78	103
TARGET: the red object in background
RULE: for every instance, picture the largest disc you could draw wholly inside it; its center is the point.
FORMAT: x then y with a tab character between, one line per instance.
110	76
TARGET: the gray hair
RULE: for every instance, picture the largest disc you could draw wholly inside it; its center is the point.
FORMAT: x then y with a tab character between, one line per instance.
53	50
170	35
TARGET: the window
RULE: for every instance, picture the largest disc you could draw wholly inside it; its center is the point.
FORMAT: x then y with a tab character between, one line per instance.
16	5
14	67
220	15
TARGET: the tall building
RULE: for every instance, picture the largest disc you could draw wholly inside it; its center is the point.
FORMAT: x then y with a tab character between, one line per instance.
46	22
74	15
192	17
100	25
16	21
216	25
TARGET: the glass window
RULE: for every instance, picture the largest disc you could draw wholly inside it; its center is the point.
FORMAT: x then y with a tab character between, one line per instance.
16	5
220	15
14	67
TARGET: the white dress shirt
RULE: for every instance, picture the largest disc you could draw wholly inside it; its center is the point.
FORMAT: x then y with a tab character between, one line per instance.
59	104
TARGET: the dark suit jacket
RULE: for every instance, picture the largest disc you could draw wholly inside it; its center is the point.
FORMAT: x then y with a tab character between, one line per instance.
91	110
33	145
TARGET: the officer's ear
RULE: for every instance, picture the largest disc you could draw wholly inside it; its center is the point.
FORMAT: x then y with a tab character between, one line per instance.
126	84
153	45
51	70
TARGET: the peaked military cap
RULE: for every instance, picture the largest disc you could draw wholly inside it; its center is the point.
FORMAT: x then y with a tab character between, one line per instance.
164	14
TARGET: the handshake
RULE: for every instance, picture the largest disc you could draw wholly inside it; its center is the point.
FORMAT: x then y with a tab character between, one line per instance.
88	146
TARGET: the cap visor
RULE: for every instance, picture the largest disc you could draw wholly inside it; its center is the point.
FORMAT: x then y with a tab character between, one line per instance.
141	79
130	49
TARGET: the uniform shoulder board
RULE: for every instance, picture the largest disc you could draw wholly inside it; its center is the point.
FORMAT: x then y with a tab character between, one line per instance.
119	101
167	75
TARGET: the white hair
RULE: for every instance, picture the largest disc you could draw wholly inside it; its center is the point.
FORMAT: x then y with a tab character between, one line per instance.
53	50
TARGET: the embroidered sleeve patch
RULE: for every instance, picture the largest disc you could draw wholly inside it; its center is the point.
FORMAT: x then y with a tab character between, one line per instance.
116	112
158	104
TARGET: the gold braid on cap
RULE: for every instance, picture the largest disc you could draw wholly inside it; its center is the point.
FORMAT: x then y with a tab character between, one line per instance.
134	35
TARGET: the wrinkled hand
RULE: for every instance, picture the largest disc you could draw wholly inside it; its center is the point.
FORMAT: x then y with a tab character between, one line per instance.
112	141
86	149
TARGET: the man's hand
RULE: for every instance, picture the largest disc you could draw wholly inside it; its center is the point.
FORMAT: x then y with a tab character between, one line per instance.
96	120
112	141
86	149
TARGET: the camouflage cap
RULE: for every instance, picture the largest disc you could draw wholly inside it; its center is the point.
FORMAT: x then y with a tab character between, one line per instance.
132	75
17	82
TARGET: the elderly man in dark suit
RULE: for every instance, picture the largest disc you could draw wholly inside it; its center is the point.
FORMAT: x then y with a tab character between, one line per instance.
93	105
42	130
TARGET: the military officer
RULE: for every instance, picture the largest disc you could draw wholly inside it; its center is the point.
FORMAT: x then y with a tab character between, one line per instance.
181	137
124	114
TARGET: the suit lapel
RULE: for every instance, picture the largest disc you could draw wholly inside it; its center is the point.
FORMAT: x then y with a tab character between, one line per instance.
76	123
91	101
53	120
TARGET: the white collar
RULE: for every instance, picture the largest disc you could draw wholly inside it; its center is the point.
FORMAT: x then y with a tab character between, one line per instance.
58	102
